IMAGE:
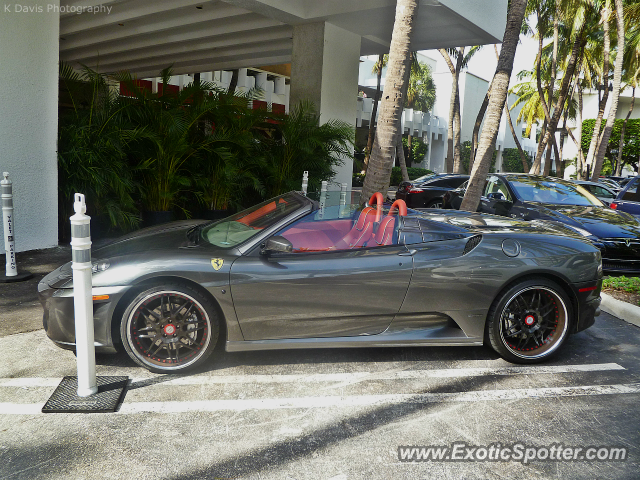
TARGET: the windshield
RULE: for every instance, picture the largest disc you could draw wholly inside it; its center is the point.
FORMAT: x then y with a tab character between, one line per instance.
554	192
424	178
242	226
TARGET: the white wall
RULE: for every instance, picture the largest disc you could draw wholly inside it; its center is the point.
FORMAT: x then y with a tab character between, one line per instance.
28	129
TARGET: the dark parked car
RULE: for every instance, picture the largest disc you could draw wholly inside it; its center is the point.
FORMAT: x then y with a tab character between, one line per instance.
288	274
599	190
531	197
427	191
628	200
610	183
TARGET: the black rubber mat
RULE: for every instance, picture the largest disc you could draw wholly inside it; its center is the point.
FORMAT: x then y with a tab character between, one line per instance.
65	398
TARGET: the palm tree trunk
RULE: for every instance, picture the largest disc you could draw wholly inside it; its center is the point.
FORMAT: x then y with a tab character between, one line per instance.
476	127
523	157
374	113
452	109
580	161
233	83
400	148
595	136
562	96
617	79
618	171
457	147
507	111
401	160
500	85
457	160
381	161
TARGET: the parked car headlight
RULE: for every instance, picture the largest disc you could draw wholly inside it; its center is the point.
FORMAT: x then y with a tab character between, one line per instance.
101	266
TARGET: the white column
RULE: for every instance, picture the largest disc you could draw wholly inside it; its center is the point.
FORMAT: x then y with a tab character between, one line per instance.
324	69
29	119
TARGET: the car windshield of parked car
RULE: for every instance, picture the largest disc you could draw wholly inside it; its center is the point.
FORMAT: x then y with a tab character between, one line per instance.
548	191
242	226
424	178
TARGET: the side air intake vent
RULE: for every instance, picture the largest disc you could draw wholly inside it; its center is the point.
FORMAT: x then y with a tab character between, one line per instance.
471	244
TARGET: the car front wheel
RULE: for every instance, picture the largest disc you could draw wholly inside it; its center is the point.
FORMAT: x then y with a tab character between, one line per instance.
170	328
529	321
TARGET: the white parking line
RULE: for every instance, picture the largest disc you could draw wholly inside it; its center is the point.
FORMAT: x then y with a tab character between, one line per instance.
349	401
339	377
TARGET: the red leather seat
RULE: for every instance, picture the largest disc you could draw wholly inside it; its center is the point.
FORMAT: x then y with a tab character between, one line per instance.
384	235
362	230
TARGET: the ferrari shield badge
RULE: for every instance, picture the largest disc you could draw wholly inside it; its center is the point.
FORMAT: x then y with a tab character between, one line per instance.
217	263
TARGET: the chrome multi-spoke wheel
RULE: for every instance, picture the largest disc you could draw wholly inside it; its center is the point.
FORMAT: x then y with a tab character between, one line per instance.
169	328
435	203
529	321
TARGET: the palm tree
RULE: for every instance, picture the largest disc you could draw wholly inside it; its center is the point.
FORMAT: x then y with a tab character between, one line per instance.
421	94
453	161
497	98
615	95
381	161
377	69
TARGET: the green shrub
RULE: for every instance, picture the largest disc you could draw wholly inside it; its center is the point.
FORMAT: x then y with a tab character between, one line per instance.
629	285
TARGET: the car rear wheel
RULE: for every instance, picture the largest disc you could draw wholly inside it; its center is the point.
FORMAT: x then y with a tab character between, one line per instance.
437	203
529	321
169	328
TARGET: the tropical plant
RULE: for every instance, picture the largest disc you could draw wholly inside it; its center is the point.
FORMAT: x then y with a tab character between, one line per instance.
92	150
179	149
298	143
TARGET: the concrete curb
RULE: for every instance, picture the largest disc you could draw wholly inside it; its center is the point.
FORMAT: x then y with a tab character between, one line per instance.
623	310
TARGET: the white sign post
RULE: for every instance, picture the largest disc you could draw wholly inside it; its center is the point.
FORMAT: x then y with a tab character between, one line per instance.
11	271
82	298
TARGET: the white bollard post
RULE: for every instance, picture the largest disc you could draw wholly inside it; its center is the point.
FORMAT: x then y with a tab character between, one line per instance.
7	215
305	182
82	298
343	200
323	199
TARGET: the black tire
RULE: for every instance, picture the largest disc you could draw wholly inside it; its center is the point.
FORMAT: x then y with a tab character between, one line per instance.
529	321
435	203
169	328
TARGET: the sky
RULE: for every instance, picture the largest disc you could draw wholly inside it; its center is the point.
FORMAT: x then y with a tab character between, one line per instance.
483	64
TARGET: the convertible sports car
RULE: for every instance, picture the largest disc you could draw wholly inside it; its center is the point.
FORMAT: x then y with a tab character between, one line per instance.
529	197
290	273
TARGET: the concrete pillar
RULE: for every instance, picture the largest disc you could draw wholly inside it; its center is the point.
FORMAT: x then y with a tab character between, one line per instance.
324	70
29	120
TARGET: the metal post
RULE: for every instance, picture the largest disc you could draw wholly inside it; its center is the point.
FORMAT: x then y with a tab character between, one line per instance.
11	271
305	182
82	299
323	198
7	215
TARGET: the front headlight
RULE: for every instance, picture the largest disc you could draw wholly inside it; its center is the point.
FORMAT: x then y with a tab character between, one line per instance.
99	266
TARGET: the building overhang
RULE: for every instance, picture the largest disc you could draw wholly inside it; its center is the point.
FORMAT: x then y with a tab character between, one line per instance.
198	35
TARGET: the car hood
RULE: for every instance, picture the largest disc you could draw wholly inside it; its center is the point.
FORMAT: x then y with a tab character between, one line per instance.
161	237
601	222
488	224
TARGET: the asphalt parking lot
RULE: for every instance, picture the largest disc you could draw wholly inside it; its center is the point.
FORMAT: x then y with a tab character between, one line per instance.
321	414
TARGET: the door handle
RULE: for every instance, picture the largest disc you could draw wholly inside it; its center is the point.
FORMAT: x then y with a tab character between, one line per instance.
408	253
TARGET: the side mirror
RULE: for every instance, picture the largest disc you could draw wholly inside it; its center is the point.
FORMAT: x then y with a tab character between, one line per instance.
278	244
496	196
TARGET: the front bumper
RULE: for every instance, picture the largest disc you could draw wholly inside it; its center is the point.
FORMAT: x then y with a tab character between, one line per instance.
620	256
589	300
58	319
